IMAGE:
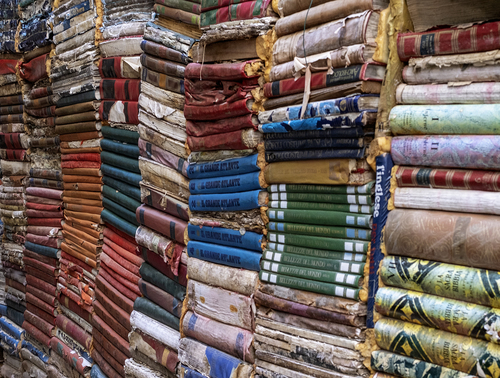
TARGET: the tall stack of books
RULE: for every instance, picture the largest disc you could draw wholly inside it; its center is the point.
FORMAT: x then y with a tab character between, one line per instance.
439	275
75	82
163	215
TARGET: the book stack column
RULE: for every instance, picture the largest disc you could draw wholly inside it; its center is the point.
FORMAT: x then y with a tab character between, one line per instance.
441	267
44	210
75	82
117	282
9	21
225	225
163	216
34	33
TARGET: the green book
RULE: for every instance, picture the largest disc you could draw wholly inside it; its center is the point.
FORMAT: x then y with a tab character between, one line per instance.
309	285
341	245
329	218
348	199
346	208
314	262
319	253
325	189
316	230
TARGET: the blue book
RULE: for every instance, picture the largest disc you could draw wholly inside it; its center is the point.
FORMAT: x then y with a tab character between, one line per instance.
225	236
228	167
226	184
227	201
220	254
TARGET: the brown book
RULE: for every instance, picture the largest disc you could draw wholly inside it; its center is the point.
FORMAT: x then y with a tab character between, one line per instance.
223	51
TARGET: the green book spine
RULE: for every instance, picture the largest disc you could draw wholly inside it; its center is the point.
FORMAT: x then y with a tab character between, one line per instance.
313	230
351	199
319	253
314	262
340	245
308	285
325	189
360	209
329	218
313	274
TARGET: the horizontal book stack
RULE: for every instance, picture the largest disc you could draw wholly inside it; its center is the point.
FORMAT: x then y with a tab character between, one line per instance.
34	34
118	275
439	273
163	214
75	85
226	227
9	21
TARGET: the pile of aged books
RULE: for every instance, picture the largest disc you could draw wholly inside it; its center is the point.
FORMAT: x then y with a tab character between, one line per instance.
441	267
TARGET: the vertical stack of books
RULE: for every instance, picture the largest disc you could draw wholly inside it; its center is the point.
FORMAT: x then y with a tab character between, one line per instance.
439	276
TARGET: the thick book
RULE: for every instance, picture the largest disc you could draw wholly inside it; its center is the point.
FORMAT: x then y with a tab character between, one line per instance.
465	72
312	274
341	132
322	189
427	14
444	94
320	80
327	197
228	201
315	253
227	184
234	12
327	153
322	143
326	108
317	230
309	285
321	206
330	218
476	38
320	124
225	236
314	262
225	255
228	167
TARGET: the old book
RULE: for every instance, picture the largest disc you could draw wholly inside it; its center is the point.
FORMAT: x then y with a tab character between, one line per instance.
320	14
431	74
426	14
189	30
224	51
462	93
327	37
476	38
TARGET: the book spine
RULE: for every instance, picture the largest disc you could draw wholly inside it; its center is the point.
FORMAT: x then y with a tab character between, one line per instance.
309	285
330	153
312	274
446	314
477	38
341	245
417	338
348	132
435	94
156	312
454	151
184	5
321	206
448	179
225	202
390	363
320	217
155	277
224	236
352	199
229	167
316	230
454	73
162	66
445	119
235	257
178	14
317	253
226	184
313	262
469	284
292	144
321	189
163	81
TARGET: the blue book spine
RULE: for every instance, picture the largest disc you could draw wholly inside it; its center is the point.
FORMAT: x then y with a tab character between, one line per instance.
129	164
96	372
35	351
225	202
118	222
228	167
79	9
16	316
345	132
9	344
226	184
188	373
128	150
275	156
120	174
219	254
295	144
41	249
126	189
225	236
11	329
